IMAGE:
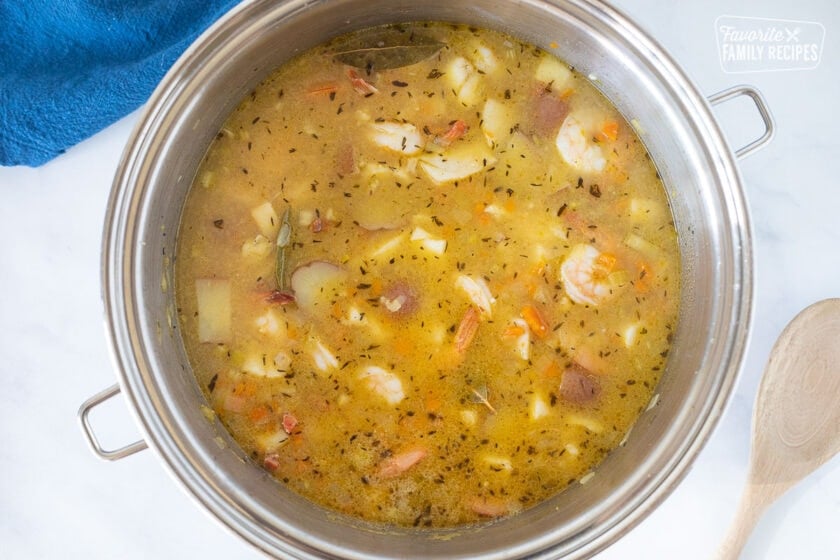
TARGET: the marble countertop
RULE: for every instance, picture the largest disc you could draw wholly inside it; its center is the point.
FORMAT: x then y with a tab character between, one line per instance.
58	501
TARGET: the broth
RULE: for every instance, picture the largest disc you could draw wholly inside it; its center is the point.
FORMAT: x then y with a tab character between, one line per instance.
427	275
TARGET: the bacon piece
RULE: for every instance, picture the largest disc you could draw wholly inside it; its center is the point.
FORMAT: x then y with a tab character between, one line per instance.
289	422
272	461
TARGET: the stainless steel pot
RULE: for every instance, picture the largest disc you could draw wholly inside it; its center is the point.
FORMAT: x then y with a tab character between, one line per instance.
158	166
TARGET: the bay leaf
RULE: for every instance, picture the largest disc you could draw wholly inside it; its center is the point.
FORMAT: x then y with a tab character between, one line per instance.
384	48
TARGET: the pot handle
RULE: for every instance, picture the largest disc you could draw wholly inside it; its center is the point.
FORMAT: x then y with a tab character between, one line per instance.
763	110
84	411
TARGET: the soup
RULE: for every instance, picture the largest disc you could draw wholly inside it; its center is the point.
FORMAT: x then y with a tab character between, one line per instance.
427	275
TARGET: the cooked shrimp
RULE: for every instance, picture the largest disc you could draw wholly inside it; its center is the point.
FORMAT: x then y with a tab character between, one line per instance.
576	149
384	383
397	464
585	274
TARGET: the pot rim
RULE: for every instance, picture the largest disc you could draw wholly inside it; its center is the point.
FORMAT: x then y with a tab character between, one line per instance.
117	270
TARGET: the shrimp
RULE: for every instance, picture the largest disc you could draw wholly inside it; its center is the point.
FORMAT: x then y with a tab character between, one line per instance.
384	383
576	149
397	464
585	275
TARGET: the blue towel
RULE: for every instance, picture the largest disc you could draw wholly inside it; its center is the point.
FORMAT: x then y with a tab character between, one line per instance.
69	68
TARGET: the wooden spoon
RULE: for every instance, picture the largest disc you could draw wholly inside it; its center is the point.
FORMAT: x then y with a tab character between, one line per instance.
796	421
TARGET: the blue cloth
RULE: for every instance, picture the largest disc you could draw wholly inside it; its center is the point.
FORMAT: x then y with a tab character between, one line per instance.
69	68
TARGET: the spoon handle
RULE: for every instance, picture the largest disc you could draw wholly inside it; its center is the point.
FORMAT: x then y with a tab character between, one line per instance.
754	500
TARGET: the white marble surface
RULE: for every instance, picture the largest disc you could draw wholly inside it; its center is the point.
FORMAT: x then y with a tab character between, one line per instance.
58	501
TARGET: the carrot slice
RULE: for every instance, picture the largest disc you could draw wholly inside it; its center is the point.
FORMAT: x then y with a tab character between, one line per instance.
535	321
609	131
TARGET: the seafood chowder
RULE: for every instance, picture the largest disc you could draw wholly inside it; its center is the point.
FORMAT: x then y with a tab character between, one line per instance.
427	275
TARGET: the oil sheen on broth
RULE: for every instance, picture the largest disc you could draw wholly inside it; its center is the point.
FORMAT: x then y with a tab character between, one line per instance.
430	292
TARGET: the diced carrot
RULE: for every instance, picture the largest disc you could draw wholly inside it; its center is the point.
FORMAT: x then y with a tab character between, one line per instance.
336	311
259	414
376	287
513	331
433	402
608	132
535	321
552	370
467	329
509	205
643	278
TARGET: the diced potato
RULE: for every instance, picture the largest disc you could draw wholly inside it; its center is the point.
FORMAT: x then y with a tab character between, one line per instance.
572	449
458	164
539	408
398	137
498	464
553	71
643	246
208	179
485	59
388	246
270	323
266	219
214	311
630	334
471	92
469	417
283	362
496	121
589	423
316	284
209	413
272	441
306	217
256	365
643	209
432	244
458	71
257	248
